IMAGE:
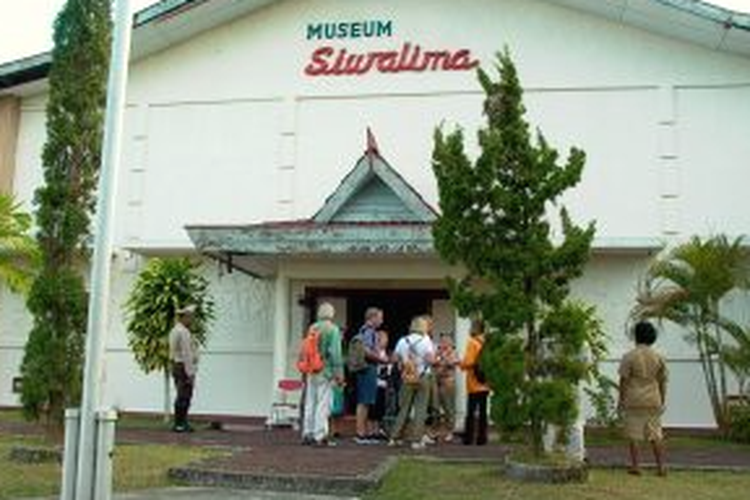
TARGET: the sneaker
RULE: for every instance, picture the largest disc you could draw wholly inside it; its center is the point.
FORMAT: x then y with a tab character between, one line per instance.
427	440
448	438
307	440
418	445
363	440
378	436
394	442
325	443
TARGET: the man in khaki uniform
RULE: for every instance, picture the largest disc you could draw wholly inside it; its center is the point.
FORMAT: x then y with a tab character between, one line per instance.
183	355
643	393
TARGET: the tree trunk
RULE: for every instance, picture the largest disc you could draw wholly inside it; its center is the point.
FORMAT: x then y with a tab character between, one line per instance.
167	398
709	374
537	427
722	370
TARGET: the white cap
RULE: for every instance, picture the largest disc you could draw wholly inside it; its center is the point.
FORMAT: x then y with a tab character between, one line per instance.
187	309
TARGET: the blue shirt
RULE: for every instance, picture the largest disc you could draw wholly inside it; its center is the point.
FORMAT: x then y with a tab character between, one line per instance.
369	337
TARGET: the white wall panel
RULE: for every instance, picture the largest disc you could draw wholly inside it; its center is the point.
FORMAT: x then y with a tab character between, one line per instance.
209	163
15	325
31	137
227	383
617	130
687	398
713	129
10	362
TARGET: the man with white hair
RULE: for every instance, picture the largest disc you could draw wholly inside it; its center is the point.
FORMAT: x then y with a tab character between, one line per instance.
183	355
319	385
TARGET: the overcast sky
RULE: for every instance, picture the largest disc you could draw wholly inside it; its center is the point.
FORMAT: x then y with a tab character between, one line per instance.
26	25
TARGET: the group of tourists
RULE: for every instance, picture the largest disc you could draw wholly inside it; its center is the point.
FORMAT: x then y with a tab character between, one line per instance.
411	388
414	386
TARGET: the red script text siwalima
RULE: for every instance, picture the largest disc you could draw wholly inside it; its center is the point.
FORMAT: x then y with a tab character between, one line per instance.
328	61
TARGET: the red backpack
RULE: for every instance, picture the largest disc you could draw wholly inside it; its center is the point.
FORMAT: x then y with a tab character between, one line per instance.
309	359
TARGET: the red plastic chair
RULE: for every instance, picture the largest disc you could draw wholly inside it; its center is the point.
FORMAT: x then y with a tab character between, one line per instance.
285	411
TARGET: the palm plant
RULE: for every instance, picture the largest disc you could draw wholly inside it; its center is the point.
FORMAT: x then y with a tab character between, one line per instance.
686	287
737	355
19	254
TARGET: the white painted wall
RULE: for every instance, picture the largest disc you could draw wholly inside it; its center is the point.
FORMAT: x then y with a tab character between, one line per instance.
15	324
610	283
238	350
274	142
226	128
713	153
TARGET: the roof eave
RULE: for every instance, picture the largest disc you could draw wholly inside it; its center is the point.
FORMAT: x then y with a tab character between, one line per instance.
725	30
692	21
155	28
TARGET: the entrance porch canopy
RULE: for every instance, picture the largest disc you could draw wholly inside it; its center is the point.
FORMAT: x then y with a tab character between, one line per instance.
256	248
373	211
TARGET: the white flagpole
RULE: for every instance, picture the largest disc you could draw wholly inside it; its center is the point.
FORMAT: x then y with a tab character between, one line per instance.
103	244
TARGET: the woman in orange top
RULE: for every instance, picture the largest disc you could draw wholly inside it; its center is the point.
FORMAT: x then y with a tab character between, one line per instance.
475	427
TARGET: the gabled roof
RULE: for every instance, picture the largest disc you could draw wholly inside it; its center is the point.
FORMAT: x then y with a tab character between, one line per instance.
172	21
373	211
374	192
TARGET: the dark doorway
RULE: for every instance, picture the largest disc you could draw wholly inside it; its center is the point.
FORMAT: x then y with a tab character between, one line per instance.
399	307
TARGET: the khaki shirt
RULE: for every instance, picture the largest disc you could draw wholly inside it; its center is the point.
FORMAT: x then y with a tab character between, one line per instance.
182	349
643	375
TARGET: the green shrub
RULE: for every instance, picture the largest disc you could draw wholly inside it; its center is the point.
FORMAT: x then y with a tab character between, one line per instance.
603	400
739	423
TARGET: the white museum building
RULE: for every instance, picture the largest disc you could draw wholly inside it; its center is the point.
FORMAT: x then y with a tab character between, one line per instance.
246	146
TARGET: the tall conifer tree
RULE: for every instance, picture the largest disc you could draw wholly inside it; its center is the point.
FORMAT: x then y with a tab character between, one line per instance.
52	362
495	223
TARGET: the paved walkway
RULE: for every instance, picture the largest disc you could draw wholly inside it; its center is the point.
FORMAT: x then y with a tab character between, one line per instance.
263	460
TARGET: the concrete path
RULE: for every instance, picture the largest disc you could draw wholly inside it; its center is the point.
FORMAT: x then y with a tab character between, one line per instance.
219	494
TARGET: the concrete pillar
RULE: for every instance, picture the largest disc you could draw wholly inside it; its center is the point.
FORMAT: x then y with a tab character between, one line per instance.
281	330
10	117
461	328
105	448
70	457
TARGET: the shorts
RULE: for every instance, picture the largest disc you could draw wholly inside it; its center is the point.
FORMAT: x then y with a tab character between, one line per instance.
367	385
643	425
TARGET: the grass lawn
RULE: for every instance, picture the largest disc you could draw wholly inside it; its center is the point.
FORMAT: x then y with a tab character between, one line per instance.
673	440
422	479
136	467
124	421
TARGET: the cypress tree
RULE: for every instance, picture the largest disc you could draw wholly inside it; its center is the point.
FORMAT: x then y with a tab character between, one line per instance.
495	224
51	367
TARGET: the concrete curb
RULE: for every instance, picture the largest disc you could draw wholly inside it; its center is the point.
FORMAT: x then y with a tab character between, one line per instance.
35	454
677	467
500	462
200	475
